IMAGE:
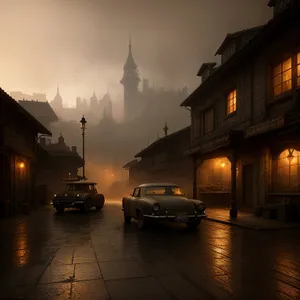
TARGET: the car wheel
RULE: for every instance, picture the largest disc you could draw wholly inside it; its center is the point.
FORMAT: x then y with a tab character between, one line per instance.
127	219
60	209
86	206
99	207
193	224
141	220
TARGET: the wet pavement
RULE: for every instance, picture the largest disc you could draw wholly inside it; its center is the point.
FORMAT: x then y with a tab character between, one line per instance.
95	256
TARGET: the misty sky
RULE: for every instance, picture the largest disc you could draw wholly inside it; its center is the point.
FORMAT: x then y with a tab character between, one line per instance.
82	44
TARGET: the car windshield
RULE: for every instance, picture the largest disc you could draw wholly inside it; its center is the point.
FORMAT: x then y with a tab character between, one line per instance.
164	191
78	187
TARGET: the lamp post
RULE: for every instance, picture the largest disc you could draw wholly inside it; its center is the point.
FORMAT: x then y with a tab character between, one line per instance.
83	123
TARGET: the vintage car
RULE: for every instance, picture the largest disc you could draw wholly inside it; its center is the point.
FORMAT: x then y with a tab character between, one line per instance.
78	194
162	202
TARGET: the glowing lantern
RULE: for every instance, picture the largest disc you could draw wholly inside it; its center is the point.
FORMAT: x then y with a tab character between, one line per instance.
21	165
290	157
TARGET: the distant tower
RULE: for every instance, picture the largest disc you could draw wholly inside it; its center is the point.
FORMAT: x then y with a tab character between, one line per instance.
106	106
94	103
57	101
130	81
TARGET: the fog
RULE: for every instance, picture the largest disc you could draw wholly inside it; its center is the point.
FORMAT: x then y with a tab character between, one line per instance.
82	45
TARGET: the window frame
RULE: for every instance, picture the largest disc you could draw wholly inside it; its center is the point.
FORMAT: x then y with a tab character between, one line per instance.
280	62
205	113
297	70
228	113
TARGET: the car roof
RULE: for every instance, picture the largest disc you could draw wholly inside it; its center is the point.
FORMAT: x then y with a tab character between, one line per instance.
158	184
80	182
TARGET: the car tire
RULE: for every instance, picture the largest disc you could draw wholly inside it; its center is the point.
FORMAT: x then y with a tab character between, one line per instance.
141	221
127	219
193	224
99	207
86	206
60	209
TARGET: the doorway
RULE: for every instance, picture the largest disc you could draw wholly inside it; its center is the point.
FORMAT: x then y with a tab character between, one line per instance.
248	172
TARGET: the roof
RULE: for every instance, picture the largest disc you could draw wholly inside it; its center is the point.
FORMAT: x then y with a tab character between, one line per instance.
38	126
130	164
130	63
163	140
237	34
157	184
39	109
81	182
252	46
205	66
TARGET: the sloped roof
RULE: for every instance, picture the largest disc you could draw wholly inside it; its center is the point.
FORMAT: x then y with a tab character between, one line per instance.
40	128
230	36
39	109
249	49
205	66
162	141
130	63
130	164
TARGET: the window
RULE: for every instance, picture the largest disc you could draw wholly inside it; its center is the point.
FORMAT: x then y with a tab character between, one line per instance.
198	125
231	102
208	121
282	78
136	193
164	191
286	175
298	69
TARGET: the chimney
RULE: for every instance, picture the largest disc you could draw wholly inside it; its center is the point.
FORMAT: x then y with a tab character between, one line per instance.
43	142
74	149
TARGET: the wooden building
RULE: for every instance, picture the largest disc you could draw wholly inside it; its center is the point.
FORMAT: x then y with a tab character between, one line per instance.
56	162
245	116
165	160
18	149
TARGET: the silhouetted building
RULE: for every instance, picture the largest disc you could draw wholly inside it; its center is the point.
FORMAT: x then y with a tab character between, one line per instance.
18	135
246	116
165	160
42	111
35	96
142	105
57	102
56	161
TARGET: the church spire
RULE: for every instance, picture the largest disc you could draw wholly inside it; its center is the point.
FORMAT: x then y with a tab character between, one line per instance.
57	90
130	63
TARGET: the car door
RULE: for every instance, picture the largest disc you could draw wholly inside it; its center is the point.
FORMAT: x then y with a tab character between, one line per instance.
134	202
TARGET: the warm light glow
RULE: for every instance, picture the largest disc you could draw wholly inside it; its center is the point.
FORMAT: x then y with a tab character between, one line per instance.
298	69
231	102
21	165
290	156
282	79
212	176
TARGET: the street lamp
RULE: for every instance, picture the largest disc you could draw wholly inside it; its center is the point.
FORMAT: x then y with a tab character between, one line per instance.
83	122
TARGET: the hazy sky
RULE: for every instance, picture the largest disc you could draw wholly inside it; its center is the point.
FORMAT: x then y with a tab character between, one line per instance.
82	44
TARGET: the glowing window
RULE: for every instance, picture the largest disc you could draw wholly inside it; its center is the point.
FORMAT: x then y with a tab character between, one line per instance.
287	171
231	102
298	69
282	77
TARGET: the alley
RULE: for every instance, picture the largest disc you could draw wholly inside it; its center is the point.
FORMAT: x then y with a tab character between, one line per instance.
94	256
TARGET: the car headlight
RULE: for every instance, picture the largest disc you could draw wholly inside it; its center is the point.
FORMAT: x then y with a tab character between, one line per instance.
78	195
54	195
156	207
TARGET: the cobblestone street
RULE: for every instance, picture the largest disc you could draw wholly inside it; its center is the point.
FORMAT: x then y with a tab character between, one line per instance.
95	256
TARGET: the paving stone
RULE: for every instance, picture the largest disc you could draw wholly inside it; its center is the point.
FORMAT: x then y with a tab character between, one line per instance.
58	273
122	269
87	271
89	290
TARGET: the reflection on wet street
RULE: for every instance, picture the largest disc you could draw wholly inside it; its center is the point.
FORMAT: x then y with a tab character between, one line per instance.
95	256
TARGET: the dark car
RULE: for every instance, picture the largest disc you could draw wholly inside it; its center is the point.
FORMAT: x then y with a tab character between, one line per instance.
78	194
162	202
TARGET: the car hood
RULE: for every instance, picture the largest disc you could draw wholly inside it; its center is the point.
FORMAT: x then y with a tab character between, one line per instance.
172	202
